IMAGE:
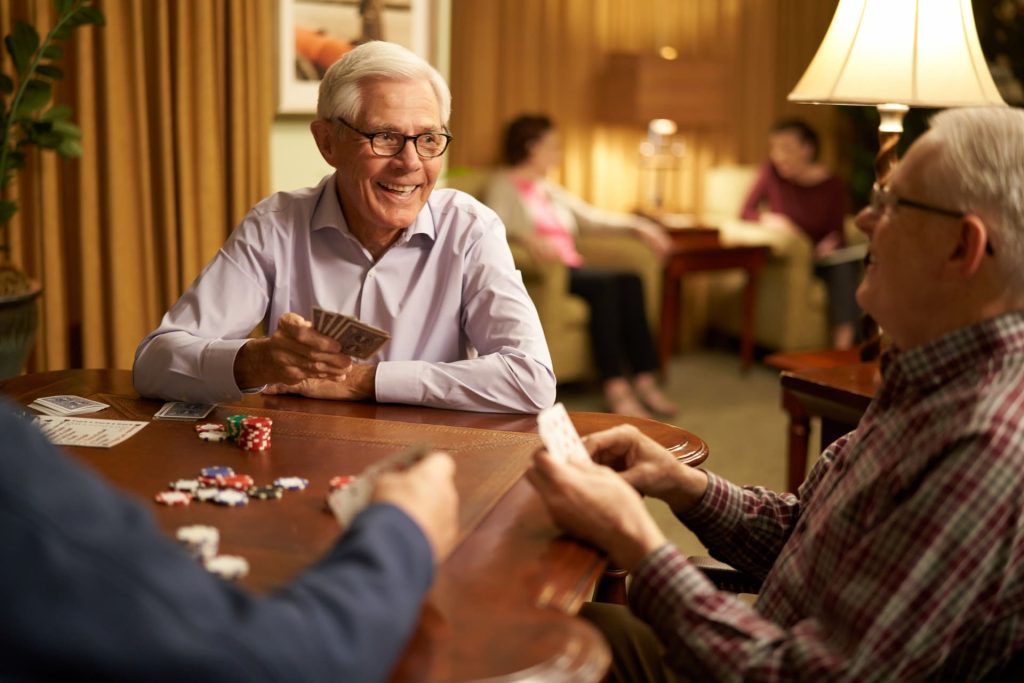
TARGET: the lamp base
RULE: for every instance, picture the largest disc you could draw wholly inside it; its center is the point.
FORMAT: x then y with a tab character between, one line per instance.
890	126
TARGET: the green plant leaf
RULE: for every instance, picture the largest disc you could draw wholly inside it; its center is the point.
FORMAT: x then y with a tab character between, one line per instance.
61	33
7	210
22	42
53	52
6	84
50	71
67	129
63	6
37	95
93	16
56	113
50	140
70	148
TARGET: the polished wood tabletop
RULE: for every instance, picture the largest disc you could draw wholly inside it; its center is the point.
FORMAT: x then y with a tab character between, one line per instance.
502	603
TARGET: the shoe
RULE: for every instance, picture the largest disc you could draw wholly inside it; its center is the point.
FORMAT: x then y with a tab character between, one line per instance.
657	401
626	404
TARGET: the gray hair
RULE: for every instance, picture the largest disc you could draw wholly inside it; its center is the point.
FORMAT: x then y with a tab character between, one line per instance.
980	164
340	92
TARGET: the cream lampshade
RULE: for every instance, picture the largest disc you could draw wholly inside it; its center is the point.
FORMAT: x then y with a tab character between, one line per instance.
896	54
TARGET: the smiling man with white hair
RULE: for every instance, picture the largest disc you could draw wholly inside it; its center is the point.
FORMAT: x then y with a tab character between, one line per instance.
374	241
901	558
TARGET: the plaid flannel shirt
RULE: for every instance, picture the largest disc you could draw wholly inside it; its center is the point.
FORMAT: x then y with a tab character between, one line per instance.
902	558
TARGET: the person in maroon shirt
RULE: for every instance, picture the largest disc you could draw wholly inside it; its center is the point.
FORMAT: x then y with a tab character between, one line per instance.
795	192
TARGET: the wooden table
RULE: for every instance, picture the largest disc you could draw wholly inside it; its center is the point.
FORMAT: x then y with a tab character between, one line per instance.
699	249
839	395
502	604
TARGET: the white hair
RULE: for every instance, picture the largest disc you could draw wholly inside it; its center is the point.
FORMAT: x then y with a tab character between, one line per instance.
340	91
980	165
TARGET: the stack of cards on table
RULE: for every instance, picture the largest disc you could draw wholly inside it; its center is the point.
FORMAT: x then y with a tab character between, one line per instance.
560	436
356	337
349	495
186	412
61	406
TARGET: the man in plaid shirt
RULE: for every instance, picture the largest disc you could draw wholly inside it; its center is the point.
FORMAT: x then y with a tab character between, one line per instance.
902	556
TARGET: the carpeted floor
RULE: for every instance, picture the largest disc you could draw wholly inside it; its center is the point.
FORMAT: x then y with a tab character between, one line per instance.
738	415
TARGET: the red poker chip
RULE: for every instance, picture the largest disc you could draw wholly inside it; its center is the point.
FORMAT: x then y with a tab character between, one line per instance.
173	498
241	482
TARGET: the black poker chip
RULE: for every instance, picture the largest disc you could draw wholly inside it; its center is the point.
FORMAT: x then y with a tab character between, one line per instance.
266	492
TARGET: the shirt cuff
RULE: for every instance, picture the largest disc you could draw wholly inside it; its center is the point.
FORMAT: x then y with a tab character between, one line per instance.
663	583
218	369
399	382
718	512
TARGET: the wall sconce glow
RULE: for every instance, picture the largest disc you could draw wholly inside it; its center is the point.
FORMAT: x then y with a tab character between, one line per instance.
668	52
663	127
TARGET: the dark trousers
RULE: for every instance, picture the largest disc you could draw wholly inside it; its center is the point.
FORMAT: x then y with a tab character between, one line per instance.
841	281
619	335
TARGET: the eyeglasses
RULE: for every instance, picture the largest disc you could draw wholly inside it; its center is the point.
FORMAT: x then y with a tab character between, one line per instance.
387	143
883	198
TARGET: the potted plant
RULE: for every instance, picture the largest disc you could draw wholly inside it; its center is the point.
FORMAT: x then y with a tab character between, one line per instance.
27	119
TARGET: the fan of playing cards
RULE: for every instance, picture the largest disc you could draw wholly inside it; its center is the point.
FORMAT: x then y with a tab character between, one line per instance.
356	337
560	436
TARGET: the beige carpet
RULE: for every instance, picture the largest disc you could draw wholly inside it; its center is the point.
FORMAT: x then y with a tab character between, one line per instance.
738	415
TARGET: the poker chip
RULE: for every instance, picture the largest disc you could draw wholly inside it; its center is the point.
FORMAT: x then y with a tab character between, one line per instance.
230	498
199	540
214	437
234	425
216	471
187	485
341	481
228	567
292	483
255	433
210	427
266	492
173	498
210	481
205	494
241	482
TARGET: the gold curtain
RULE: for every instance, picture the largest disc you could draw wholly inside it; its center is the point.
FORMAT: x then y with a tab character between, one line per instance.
513	56
174	99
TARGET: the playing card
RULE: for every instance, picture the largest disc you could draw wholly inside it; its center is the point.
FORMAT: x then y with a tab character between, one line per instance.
349	501
560	436
67	404
357	338
180	410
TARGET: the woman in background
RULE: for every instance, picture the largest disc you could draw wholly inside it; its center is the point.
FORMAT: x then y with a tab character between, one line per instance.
545	219
795	192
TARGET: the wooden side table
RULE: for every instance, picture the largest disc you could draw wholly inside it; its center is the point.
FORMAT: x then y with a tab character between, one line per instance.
699	249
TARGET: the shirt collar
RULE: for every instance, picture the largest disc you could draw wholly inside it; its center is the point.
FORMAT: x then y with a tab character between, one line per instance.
328	214
974	347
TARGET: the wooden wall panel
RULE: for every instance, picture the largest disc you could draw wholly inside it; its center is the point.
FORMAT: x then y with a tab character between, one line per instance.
515	56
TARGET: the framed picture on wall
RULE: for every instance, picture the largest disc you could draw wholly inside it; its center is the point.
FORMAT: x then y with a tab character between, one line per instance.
313	34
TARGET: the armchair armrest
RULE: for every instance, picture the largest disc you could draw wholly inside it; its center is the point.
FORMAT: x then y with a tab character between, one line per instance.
547	282
622	250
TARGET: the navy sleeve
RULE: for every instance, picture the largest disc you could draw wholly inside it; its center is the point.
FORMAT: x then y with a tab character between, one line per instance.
91	587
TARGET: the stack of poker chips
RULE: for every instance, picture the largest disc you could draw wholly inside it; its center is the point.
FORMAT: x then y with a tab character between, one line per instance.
255	433
201	542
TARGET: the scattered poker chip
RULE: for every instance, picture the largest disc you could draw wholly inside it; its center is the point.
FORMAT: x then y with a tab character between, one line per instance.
210	481
230	498
292	483
210	427
173	498
242	482
186	485
341	481
266	492
199	540
228	567
205	494
214	437
216	471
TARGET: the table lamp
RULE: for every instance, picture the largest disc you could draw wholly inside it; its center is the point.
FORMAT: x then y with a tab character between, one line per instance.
896	54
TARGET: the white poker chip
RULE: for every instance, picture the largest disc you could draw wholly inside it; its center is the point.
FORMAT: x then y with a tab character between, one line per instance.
228	567
200	541
214	436
292	483
187	485
210	427
205	493
231	498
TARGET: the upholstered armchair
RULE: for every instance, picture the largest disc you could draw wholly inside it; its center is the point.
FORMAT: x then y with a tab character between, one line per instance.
563	316
791	308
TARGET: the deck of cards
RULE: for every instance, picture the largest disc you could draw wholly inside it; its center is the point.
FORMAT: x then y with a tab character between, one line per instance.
349	501
185	412
356	337
560	436
67	404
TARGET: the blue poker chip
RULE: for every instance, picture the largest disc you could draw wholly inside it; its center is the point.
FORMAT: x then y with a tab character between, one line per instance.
217	471
292	483
231	498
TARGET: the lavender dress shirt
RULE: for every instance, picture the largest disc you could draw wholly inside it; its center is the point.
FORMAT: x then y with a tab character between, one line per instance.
464	333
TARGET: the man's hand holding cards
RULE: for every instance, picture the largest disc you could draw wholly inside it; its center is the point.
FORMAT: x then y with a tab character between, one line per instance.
560	436
357	338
